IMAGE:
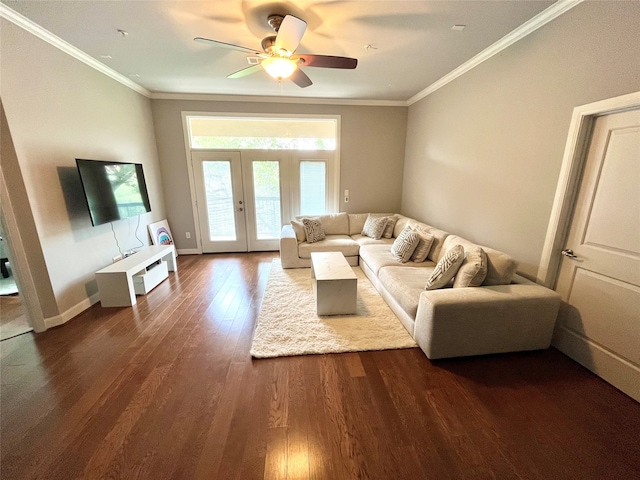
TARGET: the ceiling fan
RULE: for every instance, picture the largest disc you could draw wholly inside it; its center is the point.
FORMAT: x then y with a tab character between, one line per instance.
278	56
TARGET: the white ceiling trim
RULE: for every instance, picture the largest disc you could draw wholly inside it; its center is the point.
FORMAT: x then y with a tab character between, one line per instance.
35	29
262	99
519	33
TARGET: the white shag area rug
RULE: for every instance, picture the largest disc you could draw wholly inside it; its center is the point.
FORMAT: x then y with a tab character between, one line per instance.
289	325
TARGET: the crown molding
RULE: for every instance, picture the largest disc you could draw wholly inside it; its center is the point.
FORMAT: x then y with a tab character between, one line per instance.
211	97
36	30
519	33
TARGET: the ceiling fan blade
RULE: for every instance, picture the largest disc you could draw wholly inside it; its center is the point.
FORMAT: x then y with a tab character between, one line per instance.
300	78
290	33
326	61
245	71
208	41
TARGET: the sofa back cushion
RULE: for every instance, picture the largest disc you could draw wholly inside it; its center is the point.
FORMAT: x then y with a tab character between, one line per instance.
332	223
357	221
500	266
436	252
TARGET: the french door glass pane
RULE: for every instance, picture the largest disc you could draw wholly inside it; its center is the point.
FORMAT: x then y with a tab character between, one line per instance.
312	187
266	188
219	193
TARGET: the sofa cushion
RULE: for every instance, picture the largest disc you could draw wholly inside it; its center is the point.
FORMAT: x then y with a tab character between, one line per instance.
401	222
331	243
424	245
298	229
379	255
357	220
374	227
473	270
404	245
439	236
391	223
332	223
362	240
405	284
500	266
446	268
313	229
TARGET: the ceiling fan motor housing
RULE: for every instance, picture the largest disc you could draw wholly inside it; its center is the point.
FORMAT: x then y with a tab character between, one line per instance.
268	44
275	21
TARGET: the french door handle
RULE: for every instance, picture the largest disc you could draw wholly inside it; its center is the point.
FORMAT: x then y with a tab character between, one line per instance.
241	209
567	252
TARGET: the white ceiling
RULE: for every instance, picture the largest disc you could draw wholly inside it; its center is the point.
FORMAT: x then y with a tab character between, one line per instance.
413	45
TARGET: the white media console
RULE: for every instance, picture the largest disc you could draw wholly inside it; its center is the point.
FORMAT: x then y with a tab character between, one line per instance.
139	273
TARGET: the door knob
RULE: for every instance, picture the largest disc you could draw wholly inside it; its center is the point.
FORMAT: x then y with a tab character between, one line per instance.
567	252
240	209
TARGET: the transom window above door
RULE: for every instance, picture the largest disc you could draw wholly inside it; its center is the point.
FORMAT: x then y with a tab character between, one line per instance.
262	133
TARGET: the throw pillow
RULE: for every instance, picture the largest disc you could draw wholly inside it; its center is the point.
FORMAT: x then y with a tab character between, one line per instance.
446	268
313	229
404	245
473	270
298	228
391	223
424	245
374	227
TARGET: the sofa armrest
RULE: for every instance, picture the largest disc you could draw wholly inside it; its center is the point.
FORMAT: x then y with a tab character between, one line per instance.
289	248
457	322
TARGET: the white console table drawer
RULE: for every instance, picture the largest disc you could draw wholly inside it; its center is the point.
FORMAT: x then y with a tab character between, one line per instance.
145	281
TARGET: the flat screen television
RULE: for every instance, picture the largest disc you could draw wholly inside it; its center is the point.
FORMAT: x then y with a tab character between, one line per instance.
113	190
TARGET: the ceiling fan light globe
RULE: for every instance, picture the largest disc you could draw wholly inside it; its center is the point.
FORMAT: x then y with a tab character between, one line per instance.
278	67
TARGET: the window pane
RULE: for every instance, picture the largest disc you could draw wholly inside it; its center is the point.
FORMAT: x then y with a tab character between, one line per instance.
312	188
219	191
266	188
262	133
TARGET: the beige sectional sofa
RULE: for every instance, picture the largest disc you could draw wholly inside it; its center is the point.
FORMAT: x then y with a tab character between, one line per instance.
507	313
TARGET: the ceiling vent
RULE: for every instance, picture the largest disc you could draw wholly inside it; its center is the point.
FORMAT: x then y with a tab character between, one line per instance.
253	60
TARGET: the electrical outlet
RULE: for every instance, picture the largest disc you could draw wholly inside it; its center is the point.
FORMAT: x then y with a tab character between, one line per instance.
117	258
346	199
188	234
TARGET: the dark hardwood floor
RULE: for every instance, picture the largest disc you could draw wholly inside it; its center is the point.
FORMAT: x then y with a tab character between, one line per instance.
167	390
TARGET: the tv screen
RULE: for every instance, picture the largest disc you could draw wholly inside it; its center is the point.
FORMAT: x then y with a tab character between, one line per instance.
113	190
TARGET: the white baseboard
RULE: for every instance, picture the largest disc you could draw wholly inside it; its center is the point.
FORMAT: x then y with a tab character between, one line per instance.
74	311
616	370
189	251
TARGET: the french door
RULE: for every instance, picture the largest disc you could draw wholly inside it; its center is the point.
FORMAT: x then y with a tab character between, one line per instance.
241	199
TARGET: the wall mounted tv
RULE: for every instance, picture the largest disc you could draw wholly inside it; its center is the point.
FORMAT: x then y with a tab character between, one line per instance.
113	190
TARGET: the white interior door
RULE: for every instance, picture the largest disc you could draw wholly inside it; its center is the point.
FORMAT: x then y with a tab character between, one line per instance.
220	201
599	279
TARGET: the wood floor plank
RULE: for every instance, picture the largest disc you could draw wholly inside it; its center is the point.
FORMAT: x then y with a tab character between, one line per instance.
167	390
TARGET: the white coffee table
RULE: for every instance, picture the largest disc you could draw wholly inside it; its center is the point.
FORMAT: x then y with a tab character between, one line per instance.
334	283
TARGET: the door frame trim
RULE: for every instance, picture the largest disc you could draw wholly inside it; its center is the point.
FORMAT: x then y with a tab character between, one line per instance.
187	148
573	160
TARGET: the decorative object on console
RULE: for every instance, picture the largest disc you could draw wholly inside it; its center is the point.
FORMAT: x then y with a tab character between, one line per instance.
473	270
160	233
374	227
313	229
405	245
446	268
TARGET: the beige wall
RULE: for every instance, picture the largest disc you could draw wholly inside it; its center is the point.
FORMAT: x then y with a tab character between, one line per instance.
371	157
483	153
59	109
